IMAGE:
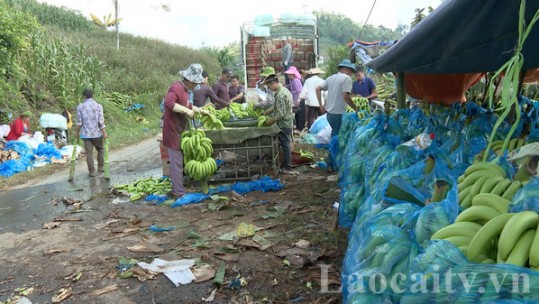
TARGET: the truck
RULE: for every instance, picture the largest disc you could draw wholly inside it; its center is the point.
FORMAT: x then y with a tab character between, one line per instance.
261	43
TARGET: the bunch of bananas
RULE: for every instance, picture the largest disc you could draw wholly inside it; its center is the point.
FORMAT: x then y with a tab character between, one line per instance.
210	121
362	114
243	111
485	178
361	103
261	121
223	114
484	231
496	147
197	156
146	186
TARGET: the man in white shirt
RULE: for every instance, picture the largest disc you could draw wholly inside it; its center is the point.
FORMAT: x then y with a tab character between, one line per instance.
308	93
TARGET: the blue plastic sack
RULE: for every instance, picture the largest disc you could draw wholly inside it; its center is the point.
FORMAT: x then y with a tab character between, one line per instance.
527	198
22	148
156	199
319	124
159	229
48	150
190	198
14	166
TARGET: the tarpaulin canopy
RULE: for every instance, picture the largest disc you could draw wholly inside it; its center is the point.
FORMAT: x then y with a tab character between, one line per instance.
463	36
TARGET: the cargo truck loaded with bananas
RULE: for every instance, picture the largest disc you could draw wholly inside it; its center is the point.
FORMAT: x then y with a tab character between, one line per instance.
197	157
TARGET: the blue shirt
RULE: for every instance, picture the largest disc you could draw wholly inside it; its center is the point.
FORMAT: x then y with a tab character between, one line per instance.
363	88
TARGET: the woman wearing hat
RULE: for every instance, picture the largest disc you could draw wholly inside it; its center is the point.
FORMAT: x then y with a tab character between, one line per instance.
178	111
295	88
20	126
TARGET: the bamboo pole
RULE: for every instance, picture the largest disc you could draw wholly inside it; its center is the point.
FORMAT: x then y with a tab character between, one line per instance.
401	91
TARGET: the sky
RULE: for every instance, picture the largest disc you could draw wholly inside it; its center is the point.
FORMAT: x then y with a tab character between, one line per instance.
217	23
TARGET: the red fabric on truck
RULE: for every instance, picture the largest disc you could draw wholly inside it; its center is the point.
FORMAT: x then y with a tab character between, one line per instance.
443	89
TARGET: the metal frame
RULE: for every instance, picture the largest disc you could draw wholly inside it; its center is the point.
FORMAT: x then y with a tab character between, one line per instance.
238	170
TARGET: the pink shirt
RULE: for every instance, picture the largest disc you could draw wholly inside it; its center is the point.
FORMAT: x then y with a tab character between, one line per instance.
175	123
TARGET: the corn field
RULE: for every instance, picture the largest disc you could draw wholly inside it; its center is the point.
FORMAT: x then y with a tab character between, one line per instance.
60	69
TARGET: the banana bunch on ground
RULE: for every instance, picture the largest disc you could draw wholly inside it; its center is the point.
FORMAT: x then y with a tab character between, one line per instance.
210	121
146	186
485	178
361	103
262	120
197	156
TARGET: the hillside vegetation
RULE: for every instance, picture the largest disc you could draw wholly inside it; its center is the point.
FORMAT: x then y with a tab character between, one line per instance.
50	54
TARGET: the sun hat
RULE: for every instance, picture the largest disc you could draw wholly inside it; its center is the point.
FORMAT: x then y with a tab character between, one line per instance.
269	78
293	71
315	71
266	71
227	71
346	63
193	73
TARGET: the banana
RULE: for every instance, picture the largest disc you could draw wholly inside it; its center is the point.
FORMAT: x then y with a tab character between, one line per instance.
493	201
520	253
476	188
464	193
520	143
534	251
499	189
467	201
484	166
471	179
488	232
511	145
512	189
459	241
468	229
513	229
477	214
490	184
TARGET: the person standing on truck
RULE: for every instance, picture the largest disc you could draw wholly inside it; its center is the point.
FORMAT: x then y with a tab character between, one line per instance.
267	101
201	95
287	57
339	87
221	86
281	114
178	111
236	91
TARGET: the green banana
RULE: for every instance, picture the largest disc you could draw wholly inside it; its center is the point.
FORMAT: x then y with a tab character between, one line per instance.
477	214
513	229
534	251
459	241
493	201
488	232
484	166
520	253
468	229
499	189
512	189
490	184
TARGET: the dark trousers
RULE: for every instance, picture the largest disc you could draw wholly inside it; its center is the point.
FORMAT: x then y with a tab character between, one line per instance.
285	68
334	121
300	116
285	139
89	144
312	115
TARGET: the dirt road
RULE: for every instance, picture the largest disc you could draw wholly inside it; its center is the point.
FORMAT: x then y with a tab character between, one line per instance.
77	259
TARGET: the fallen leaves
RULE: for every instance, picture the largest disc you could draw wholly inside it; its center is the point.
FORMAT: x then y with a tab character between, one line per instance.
101	291
63	294
146	248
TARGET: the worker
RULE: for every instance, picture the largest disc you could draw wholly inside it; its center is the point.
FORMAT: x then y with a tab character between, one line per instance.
287	59
203	92
281	114
308	93
221	86
295	88
90	122
20	126
339	88
364	86
236	91
178	111
265	99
